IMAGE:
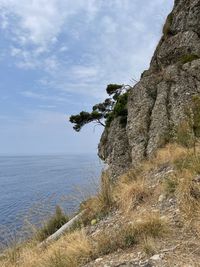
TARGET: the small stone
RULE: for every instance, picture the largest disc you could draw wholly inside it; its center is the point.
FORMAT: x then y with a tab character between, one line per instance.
171	201
161	198
99	259
155	257
155	210
163	218
139	221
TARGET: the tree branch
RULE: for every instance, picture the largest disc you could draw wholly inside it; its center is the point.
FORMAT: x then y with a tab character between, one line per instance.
101	123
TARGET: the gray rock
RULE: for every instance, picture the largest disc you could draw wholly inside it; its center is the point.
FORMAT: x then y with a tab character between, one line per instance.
156	104
155	257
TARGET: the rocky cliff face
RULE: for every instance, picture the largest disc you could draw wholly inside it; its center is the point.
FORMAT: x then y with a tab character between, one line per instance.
156	103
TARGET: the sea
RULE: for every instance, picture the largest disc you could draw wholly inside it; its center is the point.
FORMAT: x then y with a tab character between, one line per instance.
32	186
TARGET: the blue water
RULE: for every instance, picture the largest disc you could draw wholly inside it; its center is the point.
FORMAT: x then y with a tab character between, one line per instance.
31	186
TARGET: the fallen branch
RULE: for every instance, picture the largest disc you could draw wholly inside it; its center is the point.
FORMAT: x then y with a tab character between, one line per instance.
62	230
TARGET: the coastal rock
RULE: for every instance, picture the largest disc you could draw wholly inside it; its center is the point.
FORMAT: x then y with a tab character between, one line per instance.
114	148
156	104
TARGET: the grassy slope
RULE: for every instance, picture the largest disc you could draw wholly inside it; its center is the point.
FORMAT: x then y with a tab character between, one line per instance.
154	209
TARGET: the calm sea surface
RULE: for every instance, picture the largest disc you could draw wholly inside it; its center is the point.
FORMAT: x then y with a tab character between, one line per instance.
31	187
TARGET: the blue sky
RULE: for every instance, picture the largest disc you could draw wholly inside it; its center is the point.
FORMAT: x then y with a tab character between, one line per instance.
56	58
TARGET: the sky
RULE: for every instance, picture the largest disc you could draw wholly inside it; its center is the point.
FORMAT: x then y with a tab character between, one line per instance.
56	58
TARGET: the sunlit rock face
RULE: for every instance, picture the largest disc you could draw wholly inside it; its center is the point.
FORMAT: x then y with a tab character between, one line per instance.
157	102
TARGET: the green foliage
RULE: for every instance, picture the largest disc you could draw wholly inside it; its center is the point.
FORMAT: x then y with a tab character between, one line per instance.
189	162
109	118
167	27
129	239
115	106
184	135
188	58
196	115
188	131
170	186
113	89
83	118
52	225
119	110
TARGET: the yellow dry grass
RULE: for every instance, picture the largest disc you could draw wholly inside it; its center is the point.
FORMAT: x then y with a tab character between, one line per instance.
130	194
143	227
76	249
188	195
70	251
168	154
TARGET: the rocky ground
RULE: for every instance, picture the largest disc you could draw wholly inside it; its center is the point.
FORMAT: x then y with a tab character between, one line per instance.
180	247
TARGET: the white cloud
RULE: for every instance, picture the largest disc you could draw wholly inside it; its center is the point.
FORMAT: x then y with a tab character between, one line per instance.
83	72
43	97
121	37
40	21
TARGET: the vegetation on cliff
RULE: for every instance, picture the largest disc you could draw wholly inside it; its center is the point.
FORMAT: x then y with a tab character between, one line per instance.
103	113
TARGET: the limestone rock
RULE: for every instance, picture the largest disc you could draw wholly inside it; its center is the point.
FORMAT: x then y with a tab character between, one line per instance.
156	104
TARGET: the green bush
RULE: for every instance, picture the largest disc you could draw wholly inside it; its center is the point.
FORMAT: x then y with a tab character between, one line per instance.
103	113
196	115
119	110
170	186
184	135
188	58
52	225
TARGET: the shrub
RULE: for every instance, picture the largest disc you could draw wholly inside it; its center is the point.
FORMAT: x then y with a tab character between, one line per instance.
149	246
196	115
188	131
98	206
119	110
149	226
103	113
73	250
188	194
188	58
190	162
184	135
52	225
170	185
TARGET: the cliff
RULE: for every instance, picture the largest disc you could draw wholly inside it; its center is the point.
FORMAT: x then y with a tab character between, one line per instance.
150	216
157	102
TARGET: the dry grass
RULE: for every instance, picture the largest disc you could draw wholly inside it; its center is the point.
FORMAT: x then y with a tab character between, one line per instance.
51	225
170	185
130	194
188	195
164	156
149	246
70	251
142	228
98	206
73	250
169	154
76	249
150	225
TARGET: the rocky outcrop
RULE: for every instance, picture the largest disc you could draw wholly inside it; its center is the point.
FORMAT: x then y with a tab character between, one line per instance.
114	148
157	102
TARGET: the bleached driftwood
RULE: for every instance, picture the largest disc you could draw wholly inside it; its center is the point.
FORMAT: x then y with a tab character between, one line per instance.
63	229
